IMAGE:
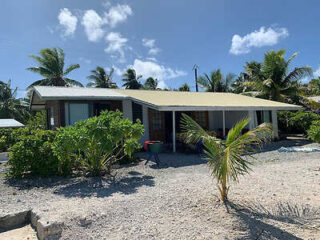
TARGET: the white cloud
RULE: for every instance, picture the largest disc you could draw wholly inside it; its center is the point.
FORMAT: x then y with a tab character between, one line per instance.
85	60
116	43
67	21
155	70
93	25
317	73
151	45
258	38
118	14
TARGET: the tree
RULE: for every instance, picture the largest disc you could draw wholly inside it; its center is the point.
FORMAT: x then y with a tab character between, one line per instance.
151	84
131	80
101	79
274	81
184	88
10	106
51	68
228	159
216	82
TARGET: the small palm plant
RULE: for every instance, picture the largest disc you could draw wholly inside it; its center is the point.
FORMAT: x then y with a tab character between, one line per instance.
228	158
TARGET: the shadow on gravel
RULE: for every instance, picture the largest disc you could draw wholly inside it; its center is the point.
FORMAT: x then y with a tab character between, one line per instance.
251	217
272	146
174	160
86	187
101	187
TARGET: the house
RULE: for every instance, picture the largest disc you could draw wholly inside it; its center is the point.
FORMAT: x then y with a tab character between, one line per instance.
10	123
159	111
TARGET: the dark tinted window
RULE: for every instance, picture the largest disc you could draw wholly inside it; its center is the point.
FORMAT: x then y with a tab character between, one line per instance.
136	112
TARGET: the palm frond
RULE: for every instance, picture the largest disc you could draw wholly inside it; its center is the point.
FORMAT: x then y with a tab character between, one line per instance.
71	68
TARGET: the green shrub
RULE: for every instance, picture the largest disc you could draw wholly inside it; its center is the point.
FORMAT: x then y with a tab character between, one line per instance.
38	121
94	145
314	131
296	122
32	154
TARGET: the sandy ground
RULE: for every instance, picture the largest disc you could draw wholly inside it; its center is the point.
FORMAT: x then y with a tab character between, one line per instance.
279	199
22	233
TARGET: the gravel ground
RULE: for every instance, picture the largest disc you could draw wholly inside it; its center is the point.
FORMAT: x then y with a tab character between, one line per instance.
279	199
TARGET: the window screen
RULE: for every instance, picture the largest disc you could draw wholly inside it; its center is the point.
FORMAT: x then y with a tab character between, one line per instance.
201	118
156	120
136	112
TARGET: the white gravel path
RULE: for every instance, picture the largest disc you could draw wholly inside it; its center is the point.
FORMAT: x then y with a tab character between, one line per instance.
280	199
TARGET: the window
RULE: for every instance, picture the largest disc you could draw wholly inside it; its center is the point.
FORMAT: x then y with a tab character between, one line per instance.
264	117
77	112
156	120
50	119
136	112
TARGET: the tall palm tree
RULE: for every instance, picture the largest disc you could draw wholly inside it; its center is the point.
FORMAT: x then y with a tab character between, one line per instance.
10	106
101	79
216	82
184	88
274	81
151	84
131	80
51	68
228	159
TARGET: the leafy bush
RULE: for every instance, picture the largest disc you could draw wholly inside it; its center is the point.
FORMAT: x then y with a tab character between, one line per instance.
314	131
6	139
38	121
94	145
296	122
32	154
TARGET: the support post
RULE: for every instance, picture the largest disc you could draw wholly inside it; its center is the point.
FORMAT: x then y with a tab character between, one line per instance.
224	123
174	131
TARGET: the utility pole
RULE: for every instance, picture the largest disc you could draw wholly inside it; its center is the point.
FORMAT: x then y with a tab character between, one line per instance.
195	68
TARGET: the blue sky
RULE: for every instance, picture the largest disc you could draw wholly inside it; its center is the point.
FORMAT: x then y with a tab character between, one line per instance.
163	39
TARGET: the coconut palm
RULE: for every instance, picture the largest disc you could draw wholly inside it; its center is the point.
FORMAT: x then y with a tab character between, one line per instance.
230	158
101	79
10	106
151	84
184	88
274	81
216	82
131	80
51	68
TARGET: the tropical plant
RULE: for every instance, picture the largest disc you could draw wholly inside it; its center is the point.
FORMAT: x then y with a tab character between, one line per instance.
273	80
10	106
216	82
131	80
228	159
97	143
32	154
184	88
312	88
151	84
101	79
37	121
314	131
51	68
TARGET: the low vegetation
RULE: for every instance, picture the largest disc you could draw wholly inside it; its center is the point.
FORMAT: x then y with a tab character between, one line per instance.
314	131
91	146
296	122
228	159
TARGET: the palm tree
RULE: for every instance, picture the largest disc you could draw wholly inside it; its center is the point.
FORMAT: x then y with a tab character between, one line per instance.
184	88
10	106
274	81
51	68
228	159
131	80
216	82
100	79
151	84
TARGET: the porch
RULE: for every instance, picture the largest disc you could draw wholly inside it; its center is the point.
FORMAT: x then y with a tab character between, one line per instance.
165	125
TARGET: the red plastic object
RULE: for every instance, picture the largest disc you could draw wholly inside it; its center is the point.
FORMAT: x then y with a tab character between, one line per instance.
145	147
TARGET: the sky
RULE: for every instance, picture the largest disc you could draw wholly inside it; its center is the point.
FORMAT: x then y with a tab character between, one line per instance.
161	39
